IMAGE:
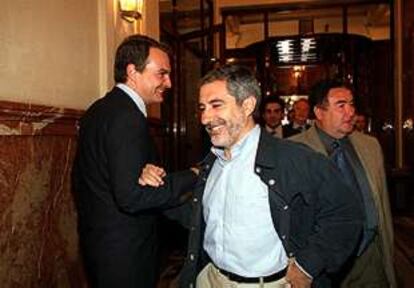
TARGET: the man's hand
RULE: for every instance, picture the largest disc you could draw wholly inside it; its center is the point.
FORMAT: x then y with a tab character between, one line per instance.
195	170
296	277
152	175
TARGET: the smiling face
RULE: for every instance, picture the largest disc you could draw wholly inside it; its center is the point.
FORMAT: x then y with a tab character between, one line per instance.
336	117
152	82
225	120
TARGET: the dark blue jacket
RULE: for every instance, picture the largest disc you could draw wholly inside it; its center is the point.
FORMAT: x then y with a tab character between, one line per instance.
317	218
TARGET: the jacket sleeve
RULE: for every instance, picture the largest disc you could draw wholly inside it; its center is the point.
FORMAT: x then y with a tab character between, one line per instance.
129	148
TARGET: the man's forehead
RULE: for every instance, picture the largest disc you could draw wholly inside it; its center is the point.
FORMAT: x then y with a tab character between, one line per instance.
213	92
215	97
273	105
301	103
159	58
340	92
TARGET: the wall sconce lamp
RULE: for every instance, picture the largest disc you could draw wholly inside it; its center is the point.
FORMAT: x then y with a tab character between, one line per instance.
131	9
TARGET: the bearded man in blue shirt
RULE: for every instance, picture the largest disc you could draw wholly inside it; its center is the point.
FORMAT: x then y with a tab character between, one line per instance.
265	211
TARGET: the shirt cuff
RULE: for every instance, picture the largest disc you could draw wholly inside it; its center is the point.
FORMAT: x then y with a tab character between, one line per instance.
303	270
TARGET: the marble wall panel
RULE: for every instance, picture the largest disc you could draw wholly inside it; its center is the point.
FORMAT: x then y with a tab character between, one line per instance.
38	229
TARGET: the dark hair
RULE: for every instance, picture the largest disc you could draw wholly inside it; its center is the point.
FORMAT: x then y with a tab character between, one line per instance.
272	99
134	50
319	92
240	82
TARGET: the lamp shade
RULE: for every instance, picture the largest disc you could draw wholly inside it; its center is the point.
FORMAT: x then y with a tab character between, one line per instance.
131	9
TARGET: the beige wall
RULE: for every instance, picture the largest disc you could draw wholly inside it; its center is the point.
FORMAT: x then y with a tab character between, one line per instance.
60	52
48	52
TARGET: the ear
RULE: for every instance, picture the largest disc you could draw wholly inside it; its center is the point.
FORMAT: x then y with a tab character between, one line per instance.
130	70
249	104
318	112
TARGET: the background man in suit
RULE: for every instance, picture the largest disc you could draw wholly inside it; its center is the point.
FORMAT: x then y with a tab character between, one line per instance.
272	113
360	160
361	122
117	217
299	122
265	211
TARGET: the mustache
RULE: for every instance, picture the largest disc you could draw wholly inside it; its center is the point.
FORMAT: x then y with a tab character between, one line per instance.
210	125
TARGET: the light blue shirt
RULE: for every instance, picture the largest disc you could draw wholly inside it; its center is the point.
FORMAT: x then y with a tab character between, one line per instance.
134	96
240	236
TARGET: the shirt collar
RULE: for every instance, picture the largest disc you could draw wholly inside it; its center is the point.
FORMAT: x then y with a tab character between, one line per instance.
328	140
134	96
298	126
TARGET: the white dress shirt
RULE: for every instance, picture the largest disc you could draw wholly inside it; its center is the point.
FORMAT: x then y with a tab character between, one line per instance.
134	96
240	236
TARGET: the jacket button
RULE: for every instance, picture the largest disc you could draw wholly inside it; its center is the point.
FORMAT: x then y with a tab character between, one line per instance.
192	228
286	207
191	285
283	237
258	170
192	257
272	182
195	199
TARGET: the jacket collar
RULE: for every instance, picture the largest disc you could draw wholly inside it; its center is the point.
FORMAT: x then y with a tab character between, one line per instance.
207	163
267	146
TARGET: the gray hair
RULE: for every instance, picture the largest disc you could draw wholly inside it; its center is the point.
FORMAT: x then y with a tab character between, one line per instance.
240	82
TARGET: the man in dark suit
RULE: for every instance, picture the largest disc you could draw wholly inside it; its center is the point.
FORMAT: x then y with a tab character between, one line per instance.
299	122
117	217
273	110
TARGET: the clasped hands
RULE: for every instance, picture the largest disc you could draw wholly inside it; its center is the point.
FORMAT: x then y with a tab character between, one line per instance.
153	175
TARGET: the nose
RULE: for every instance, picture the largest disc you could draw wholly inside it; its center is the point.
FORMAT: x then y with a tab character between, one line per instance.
167	81
205	116
350	111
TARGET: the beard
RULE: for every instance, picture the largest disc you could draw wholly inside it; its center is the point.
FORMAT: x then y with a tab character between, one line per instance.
225	134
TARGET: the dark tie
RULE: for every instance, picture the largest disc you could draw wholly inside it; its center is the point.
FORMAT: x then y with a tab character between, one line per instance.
360	186
342	163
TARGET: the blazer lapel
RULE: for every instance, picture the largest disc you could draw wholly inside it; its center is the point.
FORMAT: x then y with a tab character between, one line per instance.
367	158
311	138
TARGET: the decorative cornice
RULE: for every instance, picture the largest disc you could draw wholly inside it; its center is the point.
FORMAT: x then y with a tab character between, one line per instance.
30	119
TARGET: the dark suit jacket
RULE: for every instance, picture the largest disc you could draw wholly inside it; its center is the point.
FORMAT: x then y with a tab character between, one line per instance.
288	130
117	217
316	217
